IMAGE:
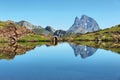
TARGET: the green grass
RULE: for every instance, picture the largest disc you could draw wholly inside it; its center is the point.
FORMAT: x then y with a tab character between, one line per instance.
6	56
33	38
27	44
4	40
103	35
3	24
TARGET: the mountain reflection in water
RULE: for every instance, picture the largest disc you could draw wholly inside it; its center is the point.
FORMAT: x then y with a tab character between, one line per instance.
83	51
8	51
47	61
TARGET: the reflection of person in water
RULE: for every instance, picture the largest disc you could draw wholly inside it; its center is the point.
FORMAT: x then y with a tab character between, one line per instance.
83	51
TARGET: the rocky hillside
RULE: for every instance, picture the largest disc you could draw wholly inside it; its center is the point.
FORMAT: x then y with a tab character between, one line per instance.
12	32
83	25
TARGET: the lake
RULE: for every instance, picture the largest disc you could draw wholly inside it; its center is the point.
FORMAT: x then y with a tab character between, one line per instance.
65	61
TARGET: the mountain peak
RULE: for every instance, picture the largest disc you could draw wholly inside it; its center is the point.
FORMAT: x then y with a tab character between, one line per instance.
84	16
23	21
84	24
26	24
77	20
50	29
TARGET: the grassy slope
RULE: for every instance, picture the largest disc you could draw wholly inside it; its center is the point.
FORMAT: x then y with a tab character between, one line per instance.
33	38
108	34
2	24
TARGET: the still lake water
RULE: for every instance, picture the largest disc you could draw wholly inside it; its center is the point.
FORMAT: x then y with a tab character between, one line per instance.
62	62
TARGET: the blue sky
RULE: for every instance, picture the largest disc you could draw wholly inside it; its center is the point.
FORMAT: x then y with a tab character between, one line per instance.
60	14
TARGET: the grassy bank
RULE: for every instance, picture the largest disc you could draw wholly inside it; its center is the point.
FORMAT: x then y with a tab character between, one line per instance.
34	38
109	34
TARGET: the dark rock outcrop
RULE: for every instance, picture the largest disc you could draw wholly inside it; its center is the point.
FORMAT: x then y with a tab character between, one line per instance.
83	25
60	33
50	29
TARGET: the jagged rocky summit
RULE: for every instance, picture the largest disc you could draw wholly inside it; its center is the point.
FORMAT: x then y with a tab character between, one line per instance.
83	25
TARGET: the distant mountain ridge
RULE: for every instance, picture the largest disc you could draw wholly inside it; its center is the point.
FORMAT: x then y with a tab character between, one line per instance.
26	24
37	29
83	25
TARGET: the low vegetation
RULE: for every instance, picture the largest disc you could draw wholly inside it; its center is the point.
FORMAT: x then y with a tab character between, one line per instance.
109	34
34	38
